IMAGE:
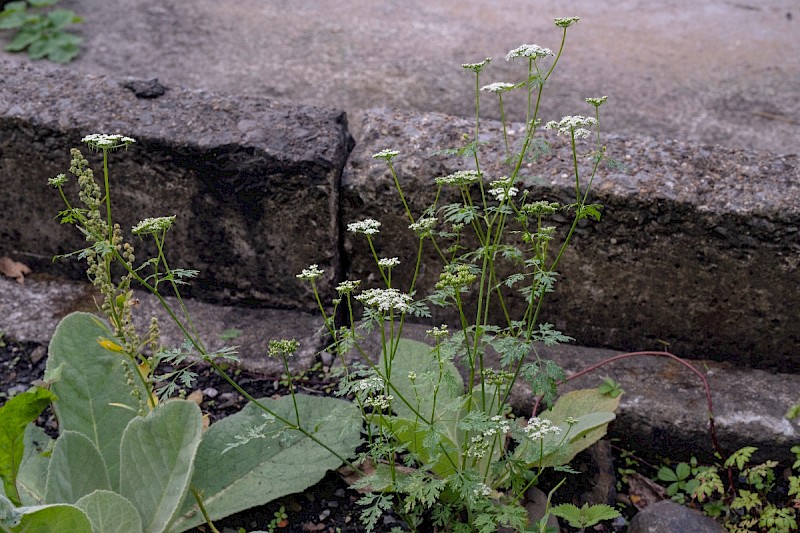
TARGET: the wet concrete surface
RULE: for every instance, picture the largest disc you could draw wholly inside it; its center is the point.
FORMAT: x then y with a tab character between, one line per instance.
714	72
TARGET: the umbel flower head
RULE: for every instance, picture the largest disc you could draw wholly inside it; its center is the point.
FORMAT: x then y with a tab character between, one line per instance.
311	273
283	347
386	154
368	226
530	51
566	22
498	87
477	67
597	102
385	299
572	125
153	226
103	141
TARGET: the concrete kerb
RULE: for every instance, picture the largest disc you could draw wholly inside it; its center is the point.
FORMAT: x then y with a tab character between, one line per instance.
682	209
693	244
254	184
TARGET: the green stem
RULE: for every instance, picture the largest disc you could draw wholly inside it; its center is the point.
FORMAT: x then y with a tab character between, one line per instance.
202	507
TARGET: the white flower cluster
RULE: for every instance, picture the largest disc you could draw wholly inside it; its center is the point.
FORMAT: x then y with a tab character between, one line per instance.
462	177
566	22
539	428
480	444
102	141
368	226
438	333
502	190
370	384
388	262
423	225
379	402
498	87
597	102
477	67
482	490
385	299
572	125
311	273
386	154
153	226
346	287
531	51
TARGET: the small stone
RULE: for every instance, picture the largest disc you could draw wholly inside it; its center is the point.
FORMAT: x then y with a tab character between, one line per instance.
324	514
210	392
145	88
327	358
667	516
38	353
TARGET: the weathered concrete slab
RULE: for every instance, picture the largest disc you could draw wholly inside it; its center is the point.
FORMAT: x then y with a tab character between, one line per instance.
698	245
663	410
31	312
252	182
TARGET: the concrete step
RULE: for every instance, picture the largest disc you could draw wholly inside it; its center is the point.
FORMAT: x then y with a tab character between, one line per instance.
663	410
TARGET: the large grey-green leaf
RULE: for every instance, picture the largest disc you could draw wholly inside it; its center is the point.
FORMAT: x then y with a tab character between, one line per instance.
110	513
91	379
593	412
76	469
57	518
32	477
419	358
157	455
283	462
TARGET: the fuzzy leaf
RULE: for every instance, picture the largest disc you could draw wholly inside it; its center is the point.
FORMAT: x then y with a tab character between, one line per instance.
14	418
110	513
263	469
418	357
92	378
57	518
32	478
413	434
157	454
593	410
76	469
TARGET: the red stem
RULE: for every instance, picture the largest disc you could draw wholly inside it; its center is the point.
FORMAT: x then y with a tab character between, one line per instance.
711	426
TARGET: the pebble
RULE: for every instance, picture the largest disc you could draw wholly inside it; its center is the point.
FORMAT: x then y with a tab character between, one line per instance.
210	392
324	514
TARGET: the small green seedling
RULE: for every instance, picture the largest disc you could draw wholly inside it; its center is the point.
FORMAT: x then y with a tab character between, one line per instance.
585	516
41	33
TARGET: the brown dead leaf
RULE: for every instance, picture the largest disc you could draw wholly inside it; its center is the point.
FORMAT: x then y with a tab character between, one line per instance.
643	491
196	396
351	476
14	269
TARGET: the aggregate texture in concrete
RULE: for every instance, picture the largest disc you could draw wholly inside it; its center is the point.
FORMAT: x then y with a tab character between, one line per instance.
715	72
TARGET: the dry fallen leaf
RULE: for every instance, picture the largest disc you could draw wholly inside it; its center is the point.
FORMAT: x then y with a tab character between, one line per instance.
196	396
14	269
644	491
